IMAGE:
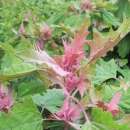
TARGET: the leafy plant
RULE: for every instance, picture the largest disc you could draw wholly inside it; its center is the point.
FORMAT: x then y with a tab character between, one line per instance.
61	66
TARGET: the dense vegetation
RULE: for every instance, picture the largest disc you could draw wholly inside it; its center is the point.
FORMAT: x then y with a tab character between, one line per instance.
64	64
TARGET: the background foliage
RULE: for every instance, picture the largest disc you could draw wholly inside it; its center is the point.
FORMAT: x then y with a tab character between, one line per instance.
32	95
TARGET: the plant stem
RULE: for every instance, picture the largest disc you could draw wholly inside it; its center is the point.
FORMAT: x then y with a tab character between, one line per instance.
80	105
66	126
67	122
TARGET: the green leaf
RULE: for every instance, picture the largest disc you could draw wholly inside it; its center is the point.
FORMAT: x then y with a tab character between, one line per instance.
106	4
126	74
104	71
124	47
125	102
122	62
109	18
23	116
79	19
52	100
124	8
106	121
29	87
13	67
108	92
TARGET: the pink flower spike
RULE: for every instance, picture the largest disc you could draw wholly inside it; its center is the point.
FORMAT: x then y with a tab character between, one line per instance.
22	29
69	111
45	32
86	5
113	105
73	82
82	85
6	100
74	51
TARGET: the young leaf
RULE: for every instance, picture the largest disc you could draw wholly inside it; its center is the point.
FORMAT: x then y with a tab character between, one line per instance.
52	100
105	71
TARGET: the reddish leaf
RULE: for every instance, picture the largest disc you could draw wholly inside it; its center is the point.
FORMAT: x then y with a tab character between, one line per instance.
101	45
112	106
69	111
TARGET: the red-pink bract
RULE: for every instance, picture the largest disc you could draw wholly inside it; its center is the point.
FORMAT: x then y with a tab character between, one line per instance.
45	32
74	52
112	106
69	111
86	5
22	29
72	82
5	99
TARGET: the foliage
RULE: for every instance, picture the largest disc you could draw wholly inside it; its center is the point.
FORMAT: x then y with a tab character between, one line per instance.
105	71
64	64
46	102
23	116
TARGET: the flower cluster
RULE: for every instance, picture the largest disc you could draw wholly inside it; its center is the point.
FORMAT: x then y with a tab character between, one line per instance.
44	35
66	71
74	81
86	5
70	62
